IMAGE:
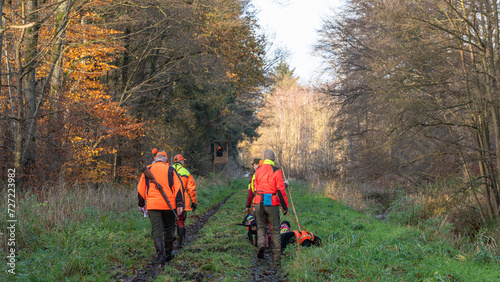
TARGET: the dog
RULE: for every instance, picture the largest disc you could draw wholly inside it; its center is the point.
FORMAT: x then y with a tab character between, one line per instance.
289	236
251	224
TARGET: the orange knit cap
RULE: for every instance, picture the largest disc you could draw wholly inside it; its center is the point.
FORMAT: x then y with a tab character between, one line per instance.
161	154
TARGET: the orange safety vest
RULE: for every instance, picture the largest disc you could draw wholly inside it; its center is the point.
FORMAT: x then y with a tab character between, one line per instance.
303	235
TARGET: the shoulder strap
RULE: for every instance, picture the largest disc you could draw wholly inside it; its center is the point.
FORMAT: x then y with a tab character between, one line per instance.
171	171
147	185
182	183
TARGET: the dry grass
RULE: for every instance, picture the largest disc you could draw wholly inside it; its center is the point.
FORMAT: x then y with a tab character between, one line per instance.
438	209
212	180
66	203
350	195
53	206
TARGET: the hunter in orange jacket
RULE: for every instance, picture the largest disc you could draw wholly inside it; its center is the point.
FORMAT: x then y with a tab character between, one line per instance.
257	163
269	180
189	194
188	183
270	193
166	176
162	215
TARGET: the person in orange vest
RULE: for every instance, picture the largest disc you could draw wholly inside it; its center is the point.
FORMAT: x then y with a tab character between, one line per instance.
303	238
220	151
189	195
250	211
161	215
270	194
251	186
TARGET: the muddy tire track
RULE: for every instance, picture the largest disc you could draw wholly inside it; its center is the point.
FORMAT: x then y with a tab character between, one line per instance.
200	221
265	270
150	271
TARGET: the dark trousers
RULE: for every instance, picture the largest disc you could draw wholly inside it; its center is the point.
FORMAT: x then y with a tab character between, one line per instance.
162	223
271	213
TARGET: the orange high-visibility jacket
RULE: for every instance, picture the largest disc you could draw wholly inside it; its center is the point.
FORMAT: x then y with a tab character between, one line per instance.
303	235
188	184
166	176
269	180
251	190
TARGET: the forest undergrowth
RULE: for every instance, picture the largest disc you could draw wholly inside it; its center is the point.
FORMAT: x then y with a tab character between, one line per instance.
435	208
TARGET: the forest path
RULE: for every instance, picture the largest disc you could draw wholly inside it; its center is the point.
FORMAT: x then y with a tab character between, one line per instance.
151	271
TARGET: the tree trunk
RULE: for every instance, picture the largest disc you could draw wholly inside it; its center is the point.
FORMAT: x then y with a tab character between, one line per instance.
30	85
1	39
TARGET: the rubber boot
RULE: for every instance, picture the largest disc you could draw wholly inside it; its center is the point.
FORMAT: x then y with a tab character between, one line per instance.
260	254
170	256
181	233
169	248
169	252
160	252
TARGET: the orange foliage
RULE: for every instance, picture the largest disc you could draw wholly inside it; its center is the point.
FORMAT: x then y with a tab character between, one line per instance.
90	123
95	117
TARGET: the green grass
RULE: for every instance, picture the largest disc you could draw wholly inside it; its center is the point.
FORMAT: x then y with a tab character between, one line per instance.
356	247
222	250
106	245
359	247
90	244
85	251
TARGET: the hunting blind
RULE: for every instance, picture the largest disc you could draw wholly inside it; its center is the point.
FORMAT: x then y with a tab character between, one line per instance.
221	152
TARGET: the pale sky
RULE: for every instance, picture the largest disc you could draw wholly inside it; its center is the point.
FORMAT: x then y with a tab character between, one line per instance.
294	24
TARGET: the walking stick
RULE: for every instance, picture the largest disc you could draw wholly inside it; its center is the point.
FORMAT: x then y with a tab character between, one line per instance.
293	207
291	201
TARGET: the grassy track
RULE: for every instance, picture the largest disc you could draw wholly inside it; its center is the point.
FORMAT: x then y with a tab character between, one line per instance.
222	250
90	244
109	246
359	247
356	247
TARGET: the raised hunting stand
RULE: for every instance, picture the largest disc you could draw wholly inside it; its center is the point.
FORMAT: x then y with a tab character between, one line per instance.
221	151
